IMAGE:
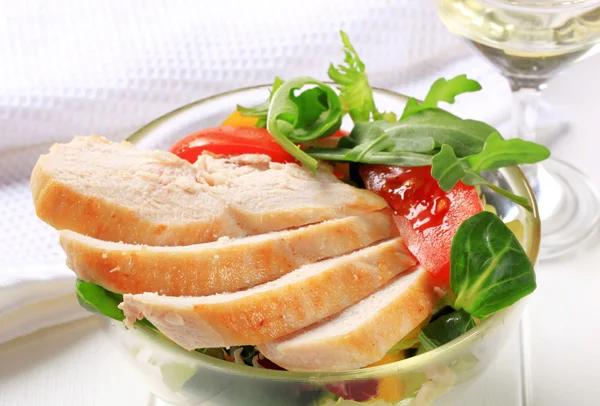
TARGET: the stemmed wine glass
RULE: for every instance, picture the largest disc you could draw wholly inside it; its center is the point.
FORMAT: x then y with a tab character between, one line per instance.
529	41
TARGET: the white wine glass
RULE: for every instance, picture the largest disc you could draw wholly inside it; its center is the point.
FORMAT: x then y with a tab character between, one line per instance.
530	41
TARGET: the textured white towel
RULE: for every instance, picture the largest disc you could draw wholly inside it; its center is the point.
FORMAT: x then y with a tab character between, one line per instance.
108	67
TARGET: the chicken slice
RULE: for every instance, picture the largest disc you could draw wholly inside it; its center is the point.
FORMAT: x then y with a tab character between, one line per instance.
274	309
361	334
227	265
115	192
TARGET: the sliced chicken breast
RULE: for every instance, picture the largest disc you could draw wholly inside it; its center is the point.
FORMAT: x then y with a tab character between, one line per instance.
274	309
115	192
227	265
361	334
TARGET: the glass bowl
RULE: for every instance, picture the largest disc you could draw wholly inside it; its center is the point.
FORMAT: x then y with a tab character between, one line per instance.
190	378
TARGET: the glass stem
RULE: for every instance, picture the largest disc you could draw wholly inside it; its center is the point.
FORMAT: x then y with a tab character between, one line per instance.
526	101
527	96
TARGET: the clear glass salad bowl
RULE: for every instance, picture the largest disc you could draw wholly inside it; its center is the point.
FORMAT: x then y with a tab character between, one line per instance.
190	378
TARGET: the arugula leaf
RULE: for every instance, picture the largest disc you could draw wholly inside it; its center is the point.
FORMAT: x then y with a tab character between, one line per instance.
356	93
499	153
441	90
446	168
312	103
445	329
432	128
466	137
395	158
473	179
457	149
296	119
489	270
378	141
260	111
362	133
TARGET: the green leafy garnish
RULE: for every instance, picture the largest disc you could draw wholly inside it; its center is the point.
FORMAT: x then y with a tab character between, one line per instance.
260	111
457	149
445	329
441	90
446	168
98	300
315	113
489	270
396	158
356	93
497	153
430	129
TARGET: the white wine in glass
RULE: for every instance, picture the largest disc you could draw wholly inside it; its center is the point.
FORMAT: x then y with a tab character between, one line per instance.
529	42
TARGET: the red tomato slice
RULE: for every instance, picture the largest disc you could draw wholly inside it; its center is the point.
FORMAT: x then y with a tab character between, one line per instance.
230	141
339	134
426	216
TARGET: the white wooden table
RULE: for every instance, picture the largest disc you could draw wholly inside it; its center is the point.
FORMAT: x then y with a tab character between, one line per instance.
74	364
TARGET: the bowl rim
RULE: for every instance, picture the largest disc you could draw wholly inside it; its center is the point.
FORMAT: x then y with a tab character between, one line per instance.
428	358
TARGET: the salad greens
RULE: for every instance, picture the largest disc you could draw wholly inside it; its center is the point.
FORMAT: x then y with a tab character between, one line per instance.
445	329
457	149
314	113
260	111
441	90
496	153
426	131
399	158
98	300
356	94
489	270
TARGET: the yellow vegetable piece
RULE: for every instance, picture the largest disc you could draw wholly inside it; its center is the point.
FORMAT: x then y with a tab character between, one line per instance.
391	389
235	119
517	228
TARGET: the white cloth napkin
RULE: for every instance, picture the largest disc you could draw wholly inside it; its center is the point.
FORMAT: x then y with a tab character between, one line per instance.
108	67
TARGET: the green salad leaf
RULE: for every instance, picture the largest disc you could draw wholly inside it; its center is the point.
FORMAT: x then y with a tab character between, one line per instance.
441	90
457	149
466	137
356	93
96	299
260	111
497	153
446	168
473	179
445	329
489	270
396	158
364	133
315	113
312	103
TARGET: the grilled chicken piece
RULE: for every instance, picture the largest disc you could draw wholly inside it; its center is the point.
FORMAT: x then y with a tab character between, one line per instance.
361	334
227	265
266	312
115	192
